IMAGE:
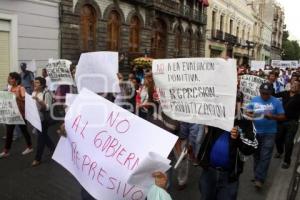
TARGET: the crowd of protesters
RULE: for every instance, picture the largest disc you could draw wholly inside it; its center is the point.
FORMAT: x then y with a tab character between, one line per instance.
270	119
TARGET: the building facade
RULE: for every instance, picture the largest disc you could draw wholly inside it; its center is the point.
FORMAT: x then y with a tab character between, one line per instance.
29	29
278	26
268	30
158	28
229	30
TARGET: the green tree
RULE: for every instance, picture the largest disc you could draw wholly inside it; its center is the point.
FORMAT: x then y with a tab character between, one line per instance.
290	48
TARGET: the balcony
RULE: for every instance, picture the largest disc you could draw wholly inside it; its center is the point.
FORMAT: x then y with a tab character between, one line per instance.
198	16
231	39
138	1
186	11
218	35
167	6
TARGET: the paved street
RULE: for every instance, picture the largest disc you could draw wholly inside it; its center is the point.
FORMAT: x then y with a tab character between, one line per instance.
19	181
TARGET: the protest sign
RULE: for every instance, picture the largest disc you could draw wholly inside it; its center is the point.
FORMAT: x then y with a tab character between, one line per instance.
31	112
59	72
283	64
249	86
70	99
197	90
9	111
142	175
105	144
97	71
256	65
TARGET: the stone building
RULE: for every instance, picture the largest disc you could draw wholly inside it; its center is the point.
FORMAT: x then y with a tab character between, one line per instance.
29	29
158	28
230	30
278	26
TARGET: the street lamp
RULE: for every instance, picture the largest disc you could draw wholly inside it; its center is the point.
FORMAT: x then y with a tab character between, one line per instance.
249	45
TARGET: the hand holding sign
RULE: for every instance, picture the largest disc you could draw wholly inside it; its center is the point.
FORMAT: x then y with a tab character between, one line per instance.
197	90
101	149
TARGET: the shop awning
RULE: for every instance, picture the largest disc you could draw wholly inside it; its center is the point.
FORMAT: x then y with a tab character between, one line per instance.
217	48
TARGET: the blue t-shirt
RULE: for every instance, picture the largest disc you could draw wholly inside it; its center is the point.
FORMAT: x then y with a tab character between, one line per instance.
219	154
261	107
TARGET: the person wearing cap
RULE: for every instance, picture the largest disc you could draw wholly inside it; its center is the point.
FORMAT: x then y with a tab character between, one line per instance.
27	78
265	110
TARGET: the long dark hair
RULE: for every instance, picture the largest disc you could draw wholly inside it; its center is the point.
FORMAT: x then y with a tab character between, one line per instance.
16	76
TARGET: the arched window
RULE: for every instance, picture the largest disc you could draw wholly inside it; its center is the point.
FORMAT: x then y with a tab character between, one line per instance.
159	39
88	18
113	31
134	37
178	41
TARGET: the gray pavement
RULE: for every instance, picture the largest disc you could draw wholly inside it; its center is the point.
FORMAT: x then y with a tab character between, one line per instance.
19	181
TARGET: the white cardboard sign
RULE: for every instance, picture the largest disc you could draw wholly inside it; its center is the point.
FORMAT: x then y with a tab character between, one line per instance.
283	64
105	144
257	65
97	71
59	72
9	111
249	86
197	90
31	112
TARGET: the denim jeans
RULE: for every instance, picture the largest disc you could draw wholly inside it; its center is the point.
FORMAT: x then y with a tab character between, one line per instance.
263	155
215	185
285	138
193	133
43	140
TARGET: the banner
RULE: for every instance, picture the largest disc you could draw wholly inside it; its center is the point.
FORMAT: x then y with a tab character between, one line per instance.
105	144
197	90
31	112
283	64
59	72
256	65
9	111
249	86
97	71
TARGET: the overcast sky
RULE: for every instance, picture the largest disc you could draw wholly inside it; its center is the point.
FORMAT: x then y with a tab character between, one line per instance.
292	17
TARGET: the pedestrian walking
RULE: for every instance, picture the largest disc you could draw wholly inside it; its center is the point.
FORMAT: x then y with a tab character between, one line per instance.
14	80
287	129
265	110
43	99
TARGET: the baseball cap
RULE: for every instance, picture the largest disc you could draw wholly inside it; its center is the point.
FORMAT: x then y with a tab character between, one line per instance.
266	88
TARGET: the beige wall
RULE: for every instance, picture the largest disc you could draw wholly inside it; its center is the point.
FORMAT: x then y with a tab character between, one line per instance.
242	17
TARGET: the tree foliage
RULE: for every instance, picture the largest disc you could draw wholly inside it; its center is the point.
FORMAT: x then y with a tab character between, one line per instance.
290	48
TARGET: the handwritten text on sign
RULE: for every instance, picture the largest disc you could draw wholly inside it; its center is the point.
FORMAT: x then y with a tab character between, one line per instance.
59	72
9	111
101	149
197	90
249	86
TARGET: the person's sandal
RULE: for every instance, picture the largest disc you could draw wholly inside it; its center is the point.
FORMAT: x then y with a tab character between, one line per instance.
35	163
